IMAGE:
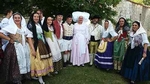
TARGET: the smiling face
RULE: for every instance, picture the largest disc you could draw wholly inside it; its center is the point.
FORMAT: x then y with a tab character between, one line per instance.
59	18
69	20
17	19
95	20
36	18
49	20
106	24
135	26
80	20
121	22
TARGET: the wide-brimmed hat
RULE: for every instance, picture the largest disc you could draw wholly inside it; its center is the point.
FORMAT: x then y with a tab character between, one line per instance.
59	13
95	17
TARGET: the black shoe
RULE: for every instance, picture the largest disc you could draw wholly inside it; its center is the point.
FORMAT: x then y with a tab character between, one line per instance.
65	64
90	65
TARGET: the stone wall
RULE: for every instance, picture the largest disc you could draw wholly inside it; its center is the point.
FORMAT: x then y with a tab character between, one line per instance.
134	11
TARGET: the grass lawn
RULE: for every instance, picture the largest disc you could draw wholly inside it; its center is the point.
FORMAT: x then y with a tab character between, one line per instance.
83	75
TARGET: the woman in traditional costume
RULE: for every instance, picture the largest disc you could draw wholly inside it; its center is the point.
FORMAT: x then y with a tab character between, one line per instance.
104	55
136	64
122	29
80	53
8	13
17	55
41	64
52	43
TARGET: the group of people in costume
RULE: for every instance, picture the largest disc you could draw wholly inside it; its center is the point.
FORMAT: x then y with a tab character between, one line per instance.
44	45
124	49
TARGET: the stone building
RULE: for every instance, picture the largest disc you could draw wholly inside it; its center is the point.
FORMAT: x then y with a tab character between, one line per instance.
134	11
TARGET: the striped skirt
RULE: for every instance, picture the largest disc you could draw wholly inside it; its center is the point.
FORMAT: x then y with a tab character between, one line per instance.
105	60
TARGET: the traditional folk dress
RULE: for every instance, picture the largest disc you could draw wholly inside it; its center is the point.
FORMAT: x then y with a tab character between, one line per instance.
67	40
104	59
95	36
58	27
54	47
17	54
58	31
67	36
80	53
131	67
120	47
3	42
4	23
42	64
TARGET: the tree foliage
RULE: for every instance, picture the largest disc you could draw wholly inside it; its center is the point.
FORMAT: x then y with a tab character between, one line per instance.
146	2
22	6
102	8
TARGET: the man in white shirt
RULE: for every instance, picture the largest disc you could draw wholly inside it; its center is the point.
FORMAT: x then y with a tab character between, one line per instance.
8	14
67	39
95	30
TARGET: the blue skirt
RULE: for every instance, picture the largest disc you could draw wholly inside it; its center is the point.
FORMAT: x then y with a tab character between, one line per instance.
131	69
105	60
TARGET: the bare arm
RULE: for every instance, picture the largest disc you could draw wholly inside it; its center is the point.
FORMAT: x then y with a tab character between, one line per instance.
145	50
4	37
31	46
113	38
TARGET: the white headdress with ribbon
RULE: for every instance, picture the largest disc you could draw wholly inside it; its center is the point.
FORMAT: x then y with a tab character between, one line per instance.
77	14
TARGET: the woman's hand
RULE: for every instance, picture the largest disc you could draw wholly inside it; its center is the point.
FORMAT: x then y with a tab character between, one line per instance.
126	39
105	40
144	54
109	40
33	53
11	40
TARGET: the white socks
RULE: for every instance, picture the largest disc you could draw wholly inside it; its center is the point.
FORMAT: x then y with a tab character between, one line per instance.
91	59
41	80
65	58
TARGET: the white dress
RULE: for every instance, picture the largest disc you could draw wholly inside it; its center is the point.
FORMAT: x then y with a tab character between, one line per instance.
54	46
80	53
22	49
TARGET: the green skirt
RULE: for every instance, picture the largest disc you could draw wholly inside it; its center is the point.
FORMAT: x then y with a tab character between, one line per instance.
119	50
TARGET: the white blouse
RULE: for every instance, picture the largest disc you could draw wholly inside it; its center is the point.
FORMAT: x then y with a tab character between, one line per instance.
138	39
38	29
